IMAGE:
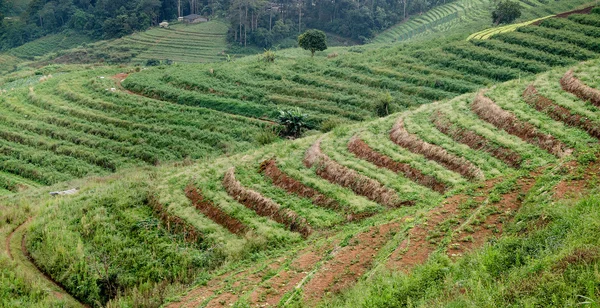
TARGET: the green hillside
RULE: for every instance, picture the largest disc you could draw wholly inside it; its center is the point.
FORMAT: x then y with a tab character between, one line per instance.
464	16
433	173
101	119
297	221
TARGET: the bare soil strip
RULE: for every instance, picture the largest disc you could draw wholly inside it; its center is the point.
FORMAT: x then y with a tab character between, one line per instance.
572	84
24	260
264	206
348	264
559	113
488	111
362	150
9	238
488	221
280	179
175	224
343	176
403	138
213	212
475	141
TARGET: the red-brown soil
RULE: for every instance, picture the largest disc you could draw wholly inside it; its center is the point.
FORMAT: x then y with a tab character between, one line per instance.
213	212
475	141
422	238
173	223
349	263
269	168
400	136
264	206
488	111
586	10
271	292
572	84
559	113
362	150
575	187
482	227
364	186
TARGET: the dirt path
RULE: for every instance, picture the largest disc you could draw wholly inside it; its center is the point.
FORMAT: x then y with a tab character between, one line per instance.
21	256
10	236
422	239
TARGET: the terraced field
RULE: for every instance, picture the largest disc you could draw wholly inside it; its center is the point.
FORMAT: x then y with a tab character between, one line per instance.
451	18
348	88
181	43
98	120
300	221
48	44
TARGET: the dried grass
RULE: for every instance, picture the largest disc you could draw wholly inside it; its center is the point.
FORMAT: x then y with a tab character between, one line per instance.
269	168
571	84
173	223
403	138
362	150
475	141
340	175
264	206
559	113
488	111
213	212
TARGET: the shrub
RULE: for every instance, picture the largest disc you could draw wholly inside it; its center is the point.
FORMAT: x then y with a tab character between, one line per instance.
152	62
294	122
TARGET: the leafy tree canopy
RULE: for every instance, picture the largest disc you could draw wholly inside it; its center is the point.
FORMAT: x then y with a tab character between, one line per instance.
506	12
313	40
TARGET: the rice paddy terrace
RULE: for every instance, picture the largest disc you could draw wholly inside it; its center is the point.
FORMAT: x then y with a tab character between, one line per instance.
299	221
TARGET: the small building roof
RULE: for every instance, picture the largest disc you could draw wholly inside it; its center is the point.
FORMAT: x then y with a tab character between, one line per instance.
192	17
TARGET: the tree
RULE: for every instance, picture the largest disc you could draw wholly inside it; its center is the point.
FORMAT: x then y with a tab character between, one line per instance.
313	40
506	12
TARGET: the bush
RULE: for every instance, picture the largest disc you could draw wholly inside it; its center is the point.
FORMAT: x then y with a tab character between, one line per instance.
294	122
267	135
268	56
383	105
152	62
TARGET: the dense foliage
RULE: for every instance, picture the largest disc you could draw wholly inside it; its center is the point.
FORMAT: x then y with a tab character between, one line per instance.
313	40
506	11
263	22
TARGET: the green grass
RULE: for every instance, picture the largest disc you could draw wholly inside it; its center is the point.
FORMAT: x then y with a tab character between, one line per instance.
110	224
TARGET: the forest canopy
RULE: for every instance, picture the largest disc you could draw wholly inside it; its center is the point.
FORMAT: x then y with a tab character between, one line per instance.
257	22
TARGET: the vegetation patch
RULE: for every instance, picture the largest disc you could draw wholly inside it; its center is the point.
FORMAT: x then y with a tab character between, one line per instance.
280	179
264	206
335	173
559	113
475	141
213	212
487	110
571	84
403	138
362	150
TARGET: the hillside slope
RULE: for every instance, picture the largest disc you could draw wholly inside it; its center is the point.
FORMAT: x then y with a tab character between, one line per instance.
70	124
298	221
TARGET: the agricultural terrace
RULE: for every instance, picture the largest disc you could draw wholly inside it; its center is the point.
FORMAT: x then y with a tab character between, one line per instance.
298	221
451	18
48	44
348	87
182	43
73	124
